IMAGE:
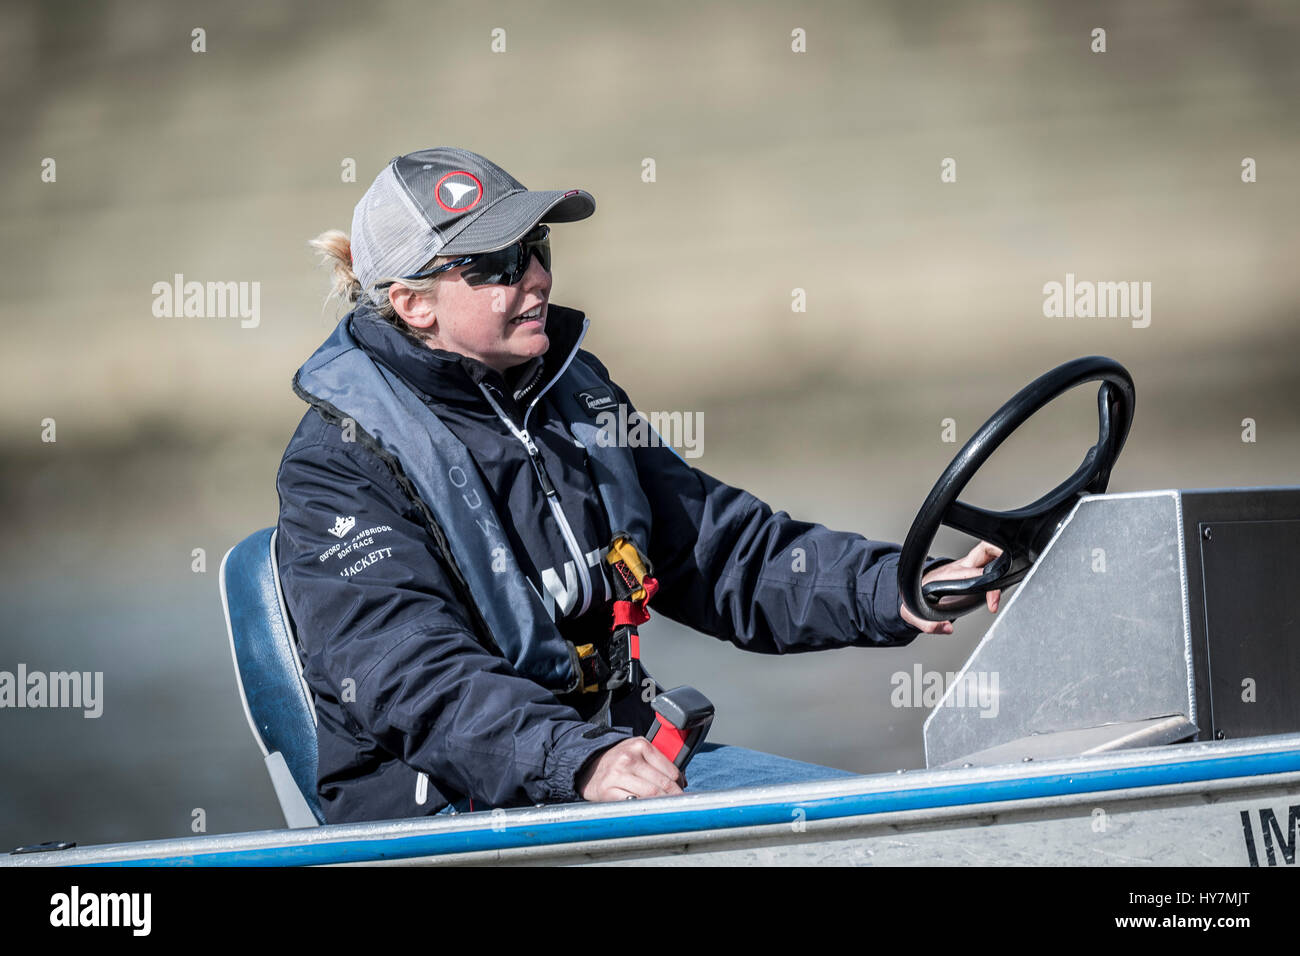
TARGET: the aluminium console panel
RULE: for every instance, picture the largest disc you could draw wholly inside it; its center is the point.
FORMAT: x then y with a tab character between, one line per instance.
1097	633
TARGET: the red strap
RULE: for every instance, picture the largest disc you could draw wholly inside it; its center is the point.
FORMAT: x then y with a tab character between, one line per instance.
625	612
634	612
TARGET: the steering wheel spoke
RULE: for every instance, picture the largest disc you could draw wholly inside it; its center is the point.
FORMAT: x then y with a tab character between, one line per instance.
991	526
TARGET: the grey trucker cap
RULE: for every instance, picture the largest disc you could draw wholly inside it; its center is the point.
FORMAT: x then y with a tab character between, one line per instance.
447	202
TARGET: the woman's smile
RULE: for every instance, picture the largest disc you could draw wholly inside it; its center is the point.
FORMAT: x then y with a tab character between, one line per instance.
535	317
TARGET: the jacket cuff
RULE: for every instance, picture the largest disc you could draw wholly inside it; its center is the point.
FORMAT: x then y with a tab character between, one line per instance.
887	603
570	754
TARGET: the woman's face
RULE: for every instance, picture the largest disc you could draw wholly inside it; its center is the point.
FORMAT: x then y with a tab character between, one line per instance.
482	322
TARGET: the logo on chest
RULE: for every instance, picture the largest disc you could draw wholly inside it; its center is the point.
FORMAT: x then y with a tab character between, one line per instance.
596	399
560	597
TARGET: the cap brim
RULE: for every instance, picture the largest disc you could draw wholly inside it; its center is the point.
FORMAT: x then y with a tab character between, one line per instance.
510	218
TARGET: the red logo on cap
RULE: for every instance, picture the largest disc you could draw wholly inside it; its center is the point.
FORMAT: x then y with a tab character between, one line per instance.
463	195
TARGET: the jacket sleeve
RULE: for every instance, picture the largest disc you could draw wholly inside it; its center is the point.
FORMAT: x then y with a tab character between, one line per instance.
732	568
384	615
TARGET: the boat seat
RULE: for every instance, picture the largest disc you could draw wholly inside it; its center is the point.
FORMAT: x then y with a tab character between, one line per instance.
268	671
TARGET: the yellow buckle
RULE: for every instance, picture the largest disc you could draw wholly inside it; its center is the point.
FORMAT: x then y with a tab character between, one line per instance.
585	651
622	549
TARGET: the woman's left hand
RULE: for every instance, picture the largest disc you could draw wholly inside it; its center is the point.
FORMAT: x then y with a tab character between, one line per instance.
979	556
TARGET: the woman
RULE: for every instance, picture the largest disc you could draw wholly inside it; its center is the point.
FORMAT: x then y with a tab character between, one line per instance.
448	510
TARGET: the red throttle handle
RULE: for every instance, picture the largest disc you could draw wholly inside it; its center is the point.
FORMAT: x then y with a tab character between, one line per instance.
682	719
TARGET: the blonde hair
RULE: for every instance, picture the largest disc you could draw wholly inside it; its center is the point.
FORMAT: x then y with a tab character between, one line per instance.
335	250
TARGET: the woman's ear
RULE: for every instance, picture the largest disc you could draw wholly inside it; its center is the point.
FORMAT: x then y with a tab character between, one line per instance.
415	309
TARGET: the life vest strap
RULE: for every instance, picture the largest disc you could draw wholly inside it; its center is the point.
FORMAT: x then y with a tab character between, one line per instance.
633	589
633	612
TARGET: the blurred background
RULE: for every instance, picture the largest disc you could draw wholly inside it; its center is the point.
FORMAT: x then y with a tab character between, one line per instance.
774	171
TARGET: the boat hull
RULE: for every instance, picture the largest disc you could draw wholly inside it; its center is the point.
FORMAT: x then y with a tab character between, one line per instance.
1231	803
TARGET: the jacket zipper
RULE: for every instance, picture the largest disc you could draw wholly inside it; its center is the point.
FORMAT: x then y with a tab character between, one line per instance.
552	496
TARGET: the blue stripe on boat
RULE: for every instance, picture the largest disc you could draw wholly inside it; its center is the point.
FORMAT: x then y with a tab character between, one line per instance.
718	818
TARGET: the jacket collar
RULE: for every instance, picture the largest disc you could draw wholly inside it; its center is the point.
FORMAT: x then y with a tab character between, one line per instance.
453	379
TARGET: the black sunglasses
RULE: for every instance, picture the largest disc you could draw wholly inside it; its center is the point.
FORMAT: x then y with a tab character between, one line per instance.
501	267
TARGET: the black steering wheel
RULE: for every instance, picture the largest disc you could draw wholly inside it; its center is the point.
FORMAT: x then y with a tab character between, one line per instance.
1022	534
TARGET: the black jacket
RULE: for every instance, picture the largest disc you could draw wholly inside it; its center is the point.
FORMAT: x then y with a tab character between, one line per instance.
402	688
